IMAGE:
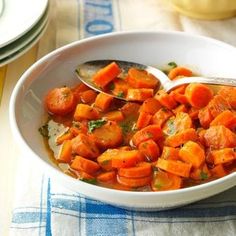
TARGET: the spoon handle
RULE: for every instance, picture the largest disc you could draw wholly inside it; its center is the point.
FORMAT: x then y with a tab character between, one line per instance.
204	80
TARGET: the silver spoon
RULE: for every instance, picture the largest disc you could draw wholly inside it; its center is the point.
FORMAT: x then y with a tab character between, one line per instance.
86	70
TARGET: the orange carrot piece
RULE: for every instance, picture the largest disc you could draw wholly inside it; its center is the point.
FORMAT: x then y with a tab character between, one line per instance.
226	118
114	116
130	109
165	99
78	89
198	95
201	173
224	155
60	101
149	149
84	111
163	181
83	145
178	97
119	87
88	96
150	132
160	117
139	95
81	163
174	167
65	153
180	108
144	120
151	106
142	169
192	153
193	113
134	182
170	153
106	177
229	93
218	137
218	171
181	138
65	136
141	79
103	101
205	117
105	75
104	160
179	71
82	175
108	136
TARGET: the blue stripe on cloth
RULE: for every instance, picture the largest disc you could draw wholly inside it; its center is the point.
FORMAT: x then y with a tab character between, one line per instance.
98	17
28	217
48	216
41	204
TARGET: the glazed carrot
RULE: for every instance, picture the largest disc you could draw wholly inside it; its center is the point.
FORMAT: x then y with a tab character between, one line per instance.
65	153
193	113
160	117
134	182
119	87
178	97
181	138
192	153
106	176
124	159
88	96
65	136
83	145
142	169
174	167
201	173
229	93
114	116
149	149
165	181
165	99
226	118
104	160
60	101
151	106
205	117
78	89
103	101
139	95
218	171
170	153
81	163
179	71
201	133
144	120
150	132
82	175
108	136
141	79
106	74
130	109
84	111
198	95
218	137
180	108
224	155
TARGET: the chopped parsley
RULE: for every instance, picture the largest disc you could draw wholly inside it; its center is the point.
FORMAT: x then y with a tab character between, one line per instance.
120	94
43	130
172	64
171	127
203	175
89	181
111	86
94	124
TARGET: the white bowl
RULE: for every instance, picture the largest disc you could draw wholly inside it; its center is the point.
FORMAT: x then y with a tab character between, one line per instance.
205	56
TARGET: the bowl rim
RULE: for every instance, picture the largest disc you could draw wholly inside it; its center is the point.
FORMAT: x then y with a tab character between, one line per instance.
22	142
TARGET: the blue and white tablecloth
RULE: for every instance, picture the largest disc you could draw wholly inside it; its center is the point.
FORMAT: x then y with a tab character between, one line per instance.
42	207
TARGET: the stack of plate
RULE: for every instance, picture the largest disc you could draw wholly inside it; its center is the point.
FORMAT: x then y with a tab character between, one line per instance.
22	23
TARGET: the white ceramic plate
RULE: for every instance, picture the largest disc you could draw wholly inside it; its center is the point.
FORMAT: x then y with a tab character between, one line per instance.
205	56
19	17
24	40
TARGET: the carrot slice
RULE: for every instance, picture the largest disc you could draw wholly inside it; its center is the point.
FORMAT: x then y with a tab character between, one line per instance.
161	116
181	138
179	71
150	132
65	136
60	101
175	167
165	99
84	146
151	106
114	116
80	163
139	95
181	108
198	95
205	117
130	109
218	137
105	75
224	155
104	160
84	111
178	97
170	153
142	169
149	149
192	153
88	96
144	120
201	173
108	135
218	171
229	93
134	182
65	153
141	79
103	101
106	176
119	87
165	181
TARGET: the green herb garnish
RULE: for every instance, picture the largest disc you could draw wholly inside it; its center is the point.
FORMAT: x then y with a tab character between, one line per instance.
111	86
94	124
172	64
43	130
89	181
203	175
120	94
